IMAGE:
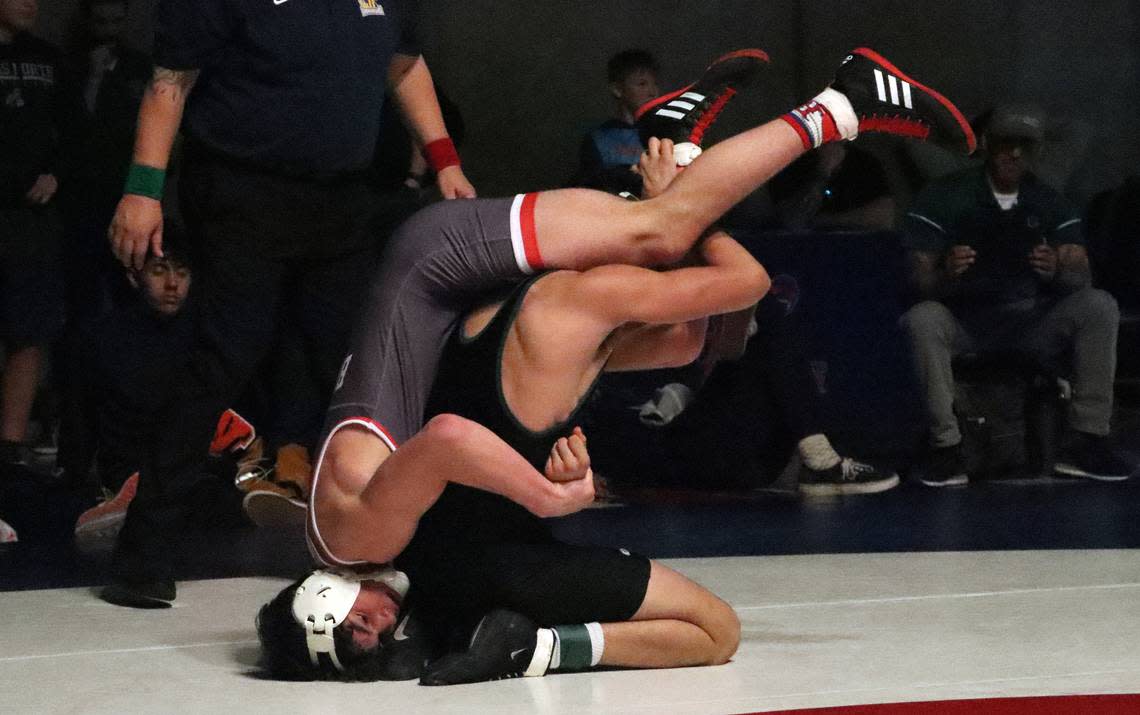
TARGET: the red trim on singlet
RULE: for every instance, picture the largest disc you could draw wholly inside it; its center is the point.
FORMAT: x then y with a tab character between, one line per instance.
529	234
316	542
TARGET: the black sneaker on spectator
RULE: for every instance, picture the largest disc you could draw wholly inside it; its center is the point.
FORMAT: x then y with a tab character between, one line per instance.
502	646
945	467
140	594
848	476
1085	456
13	452
686	114
47	444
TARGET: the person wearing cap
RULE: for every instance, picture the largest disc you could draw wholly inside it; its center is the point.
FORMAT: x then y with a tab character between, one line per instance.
280	105
998	259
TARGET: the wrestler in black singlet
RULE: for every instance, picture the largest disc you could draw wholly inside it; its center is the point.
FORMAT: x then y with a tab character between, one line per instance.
474	551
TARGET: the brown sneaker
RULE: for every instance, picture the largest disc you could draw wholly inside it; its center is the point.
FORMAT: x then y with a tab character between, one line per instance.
294	469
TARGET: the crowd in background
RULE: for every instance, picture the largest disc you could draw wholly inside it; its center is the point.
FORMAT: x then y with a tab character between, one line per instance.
999	265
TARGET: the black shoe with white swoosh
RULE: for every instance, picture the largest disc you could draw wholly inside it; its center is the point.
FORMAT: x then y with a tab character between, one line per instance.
502	646
407	649
686	114
887	100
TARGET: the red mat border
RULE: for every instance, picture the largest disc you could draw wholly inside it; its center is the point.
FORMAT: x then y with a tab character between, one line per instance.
1058	705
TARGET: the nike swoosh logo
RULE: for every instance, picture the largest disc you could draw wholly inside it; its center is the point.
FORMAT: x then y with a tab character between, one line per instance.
280	2
515	653
399	634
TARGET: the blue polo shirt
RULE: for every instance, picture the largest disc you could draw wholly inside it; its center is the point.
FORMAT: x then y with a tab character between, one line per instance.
960	209
293	86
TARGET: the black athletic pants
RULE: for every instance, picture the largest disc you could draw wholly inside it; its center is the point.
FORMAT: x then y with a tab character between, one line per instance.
263	244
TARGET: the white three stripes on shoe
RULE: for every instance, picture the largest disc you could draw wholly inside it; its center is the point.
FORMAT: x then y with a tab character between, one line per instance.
681	104
881	83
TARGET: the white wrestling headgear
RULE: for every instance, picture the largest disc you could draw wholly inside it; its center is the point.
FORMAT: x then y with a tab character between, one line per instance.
324	599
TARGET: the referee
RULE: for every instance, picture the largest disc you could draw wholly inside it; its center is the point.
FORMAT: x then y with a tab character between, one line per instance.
280	104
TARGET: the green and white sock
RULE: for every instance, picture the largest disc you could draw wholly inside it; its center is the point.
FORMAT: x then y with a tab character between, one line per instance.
573	647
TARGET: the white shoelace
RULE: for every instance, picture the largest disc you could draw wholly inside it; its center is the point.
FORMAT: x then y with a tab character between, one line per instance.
852	470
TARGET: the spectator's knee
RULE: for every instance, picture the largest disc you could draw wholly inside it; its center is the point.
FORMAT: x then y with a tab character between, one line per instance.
928	318
1097	304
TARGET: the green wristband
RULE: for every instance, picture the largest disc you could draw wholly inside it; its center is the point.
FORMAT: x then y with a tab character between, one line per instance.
145	181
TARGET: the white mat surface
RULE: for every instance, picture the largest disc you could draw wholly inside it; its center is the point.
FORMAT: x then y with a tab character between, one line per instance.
818	631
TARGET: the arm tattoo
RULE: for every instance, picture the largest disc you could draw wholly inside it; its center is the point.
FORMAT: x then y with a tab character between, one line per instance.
172	84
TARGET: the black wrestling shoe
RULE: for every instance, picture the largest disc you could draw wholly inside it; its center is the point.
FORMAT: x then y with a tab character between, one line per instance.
848	476
945	467
502	646
886	100
407	649
149	594
1093	458
686	114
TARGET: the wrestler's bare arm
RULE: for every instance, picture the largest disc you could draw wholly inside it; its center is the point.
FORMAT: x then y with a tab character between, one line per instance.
376	523
652	319
730	279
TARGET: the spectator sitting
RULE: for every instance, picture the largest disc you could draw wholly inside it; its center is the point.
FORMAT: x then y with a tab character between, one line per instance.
774	362
999	262
120	366
839	186
609	152
33	114
773	359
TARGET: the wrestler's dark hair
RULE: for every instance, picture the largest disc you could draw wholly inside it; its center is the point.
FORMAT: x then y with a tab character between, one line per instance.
285	655
626	62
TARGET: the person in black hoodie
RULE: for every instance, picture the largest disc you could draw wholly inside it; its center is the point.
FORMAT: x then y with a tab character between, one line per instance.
119	367
32	119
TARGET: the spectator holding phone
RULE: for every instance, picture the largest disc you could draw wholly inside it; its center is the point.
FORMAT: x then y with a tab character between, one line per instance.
999	262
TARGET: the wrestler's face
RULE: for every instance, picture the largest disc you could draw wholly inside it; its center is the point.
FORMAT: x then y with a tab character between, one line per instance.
373	614
638	87
164	284
18	15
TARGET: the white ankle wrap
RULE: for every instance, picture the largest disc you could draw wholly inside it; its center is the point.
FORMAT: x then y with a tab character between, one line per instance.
841	111
543	650
686	153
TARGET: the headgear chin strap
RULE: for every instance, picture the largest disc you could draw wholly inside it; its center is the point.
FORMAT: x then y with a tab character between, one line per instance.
324	599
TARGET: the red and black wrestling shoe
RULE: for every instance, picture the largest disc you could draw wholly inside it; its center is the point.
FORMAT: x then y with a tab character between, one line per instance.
686	114
886	100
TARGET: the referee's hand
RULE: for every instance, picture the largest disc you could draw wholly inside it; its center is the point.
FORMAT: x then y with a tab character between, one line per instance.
453	184
136	228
